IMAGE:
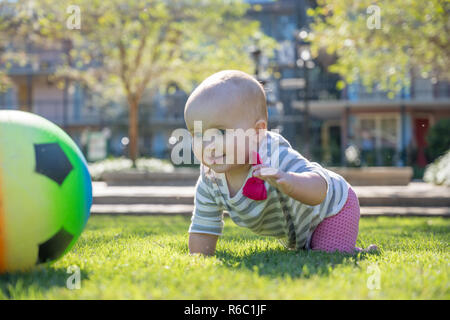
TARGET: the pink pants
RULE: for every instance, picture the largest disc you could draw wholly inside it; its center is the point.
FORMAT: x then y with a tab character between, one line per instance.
339	232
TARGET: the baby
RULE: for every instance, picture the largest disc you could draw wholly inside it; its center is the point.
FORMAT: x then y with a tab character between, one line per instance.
270	188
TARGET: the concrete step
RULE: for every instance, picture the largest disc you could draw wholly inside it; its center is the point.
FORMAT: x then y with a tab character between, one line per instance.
188	176
180	177
418	195
186	210
172	199
406	211
144	195
141	209
403	201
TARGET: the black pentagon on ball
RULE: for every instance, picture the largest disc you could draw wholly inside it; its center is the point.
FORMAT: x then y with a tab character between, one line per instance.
51	161
54	247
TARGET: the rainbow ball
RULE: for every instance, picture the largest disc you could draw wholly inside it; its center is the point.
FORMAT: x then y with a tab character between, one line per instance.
45	191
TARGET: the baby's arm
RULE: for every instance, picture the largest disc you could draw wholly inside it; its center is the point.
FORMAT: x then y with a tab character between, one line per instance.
202	243
307	187
207	220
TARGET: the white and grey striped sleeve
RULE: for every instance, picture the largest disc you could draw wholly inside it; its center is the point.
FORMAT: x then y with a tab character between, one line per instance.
292	161
207	216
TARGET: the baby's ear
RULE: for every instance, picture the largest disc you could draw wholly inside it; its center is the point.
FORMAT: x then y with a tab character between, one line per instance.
260	124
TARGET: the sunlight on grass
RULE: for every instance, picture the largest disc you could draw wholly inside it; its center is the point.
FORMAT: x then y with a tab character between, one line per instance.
147	258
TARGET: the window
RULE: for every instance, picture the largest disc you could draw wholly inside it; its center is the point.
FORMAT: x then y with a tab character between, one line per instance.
378	138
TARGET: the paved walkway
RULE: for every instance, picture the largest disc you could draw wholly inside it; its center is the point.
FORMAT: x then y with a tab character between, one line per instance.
101	189
415	199
414	189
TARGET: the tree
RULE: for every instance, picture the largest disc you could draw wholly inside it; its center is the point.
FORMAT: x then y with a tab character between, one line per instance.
19	28
127	47
438	139
410	36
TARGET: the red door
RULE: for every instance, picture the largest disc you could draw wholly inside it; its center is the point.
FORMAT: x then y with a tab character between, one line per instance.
421	126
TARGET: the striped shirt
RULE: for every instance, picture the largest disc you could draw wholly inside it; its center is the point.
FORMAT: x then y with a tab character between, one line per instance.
279	215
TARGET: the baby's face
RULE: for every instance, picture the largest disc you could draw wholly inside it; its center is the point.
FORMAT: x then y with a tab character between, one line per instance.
218	125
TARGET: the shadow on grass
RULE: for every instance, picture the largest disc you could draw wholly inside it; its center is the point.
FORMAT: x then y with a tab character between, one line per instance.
277	263
43	278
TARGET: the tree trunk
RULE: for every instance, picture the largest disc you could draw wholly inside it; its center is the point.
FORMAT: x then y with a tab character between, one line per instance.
133	135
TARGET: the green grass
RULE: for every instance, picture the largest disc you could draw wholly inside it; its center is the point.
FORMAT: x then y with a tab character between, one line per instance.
147	258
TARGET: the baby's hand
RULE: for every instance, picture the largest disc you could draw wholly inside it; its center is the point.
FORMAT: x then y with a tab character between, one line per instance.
277	178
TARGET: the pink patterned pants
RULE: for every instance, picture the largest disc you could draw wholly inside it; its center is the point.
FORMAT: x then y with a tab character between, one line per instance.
339	232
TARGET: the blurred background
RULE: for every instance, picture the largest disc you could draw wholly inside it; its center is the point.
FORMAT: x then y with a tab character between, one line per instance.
349	84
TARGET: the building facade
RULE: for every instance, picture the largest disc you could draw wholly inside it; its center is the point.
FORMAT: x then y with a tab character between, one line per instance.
319	120
383	131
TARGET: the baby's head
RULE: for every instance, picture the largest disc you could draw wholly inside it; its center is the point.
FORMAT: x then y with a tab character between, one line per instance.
229	99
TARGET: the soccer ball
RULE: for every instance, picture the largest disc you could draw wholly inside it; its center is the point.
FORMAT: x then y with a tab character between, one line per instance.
45	191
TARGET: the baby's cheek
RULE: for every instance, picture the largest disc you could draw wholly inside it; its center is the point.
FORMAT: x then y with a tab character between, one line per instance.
197	154
248	149
229	146
238	150
197	148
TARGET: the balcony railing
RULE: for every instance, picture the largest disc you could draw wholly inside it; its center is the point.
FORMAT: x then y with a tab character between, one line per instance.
421	91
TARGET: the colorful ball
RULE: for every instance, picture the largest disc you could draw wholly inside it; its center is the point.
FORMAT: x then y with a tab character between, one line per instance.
45	191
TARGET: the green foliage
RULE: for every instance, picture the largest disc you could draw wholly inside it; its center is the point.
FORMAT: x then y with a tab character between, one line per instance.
147	258
18	27
418	172
126	47
413	35
438	139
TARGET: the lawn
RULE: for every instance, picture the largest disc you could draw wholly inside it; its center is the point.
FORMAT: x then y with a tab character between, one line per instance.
147	258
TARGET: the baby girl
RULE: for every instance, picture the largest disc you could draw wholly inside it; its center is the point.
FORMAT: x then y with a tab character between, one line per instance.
270	189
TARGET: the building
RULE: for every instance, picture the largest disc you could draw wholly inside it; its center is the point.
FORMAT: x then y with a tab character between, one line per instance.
386	132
